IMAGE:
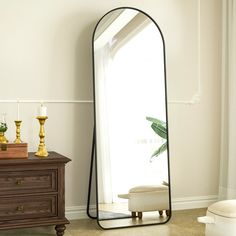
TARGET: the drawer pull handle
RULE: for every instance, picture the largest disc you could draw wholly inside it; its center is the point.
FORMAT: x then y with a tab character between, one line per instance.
20	208
19	182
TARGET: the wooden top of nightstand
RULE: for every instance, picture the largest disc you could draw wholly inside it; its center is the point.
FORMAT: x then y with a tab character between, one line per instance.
51	158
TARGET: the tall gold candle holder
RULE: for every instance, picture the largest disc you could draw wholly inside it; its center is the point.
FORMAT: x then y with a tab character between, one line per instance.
18	124
42	151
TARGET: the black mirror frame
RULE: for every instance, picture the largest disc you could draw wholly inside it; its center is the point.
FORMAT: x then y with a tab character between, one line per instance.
94	137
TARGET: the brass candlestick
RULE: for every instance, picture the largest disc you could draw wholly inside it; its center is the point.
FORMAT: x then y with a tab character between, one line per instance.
42	151
18	123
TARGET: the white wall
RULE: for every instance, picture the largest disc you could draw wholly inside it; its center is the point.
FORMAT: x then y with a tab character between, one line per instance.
45	53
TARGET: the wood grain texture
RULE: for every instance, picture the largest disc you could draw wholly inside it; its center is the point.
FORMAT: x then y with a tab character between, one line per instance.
28	181
13	150
32	192
25	207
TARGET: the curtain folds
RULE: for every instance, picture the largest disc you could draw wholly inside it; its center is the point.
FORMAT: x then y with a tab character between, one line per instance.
102	61
227	183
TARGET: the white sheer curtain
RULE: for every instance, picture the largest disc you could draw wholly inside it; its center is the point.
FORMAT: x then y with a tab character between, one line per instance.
102	60
227	186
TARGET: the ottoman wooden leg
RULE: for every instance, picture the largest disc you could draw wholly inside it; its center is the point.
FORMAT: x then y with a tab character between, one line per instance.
140	215
134	214
161	213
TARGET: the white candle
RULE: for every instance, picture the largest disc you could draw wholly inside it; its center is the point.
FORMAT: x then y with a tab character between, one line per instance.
42	110
18	109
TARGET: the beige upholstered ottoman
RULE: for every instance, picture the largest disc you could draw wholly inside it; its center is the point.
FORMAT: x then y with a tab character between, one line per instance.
148	198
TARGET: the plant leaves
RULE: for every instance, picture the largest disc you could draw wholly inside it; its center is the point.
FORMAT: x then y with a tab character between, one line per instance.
159	127
3	127
156	121
160	150
160	130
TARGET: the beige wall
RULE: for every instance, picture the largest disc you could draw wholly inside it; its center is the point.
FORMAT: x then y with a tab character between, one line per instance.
45	53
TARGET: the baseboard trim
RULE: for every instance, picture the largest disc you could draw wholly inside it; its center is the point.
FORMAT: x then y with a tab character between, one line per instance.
79	212
193	202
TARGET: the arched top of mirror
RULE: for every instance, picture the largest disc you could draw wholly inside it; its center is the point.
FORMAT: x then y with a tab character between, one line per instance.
119	25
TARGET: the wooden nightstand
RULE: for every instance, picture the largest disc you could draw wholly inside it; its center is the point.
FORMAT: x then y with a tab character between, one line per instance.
32	192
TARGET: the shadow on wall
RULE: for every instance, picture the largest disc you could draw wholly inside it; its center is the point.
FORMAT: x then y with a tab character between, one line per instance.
72	56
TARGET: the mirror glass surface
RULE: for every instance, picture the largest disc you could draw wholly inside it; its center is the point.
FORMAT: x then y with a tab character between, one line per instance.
131	120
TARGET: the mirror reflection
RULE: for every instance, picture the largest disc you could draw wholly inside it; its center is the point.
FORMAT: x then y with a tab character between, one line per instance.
131	120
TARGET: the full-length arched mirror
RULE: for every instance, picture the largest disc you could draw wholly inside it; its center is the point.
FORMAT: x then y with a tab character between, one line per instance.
132	156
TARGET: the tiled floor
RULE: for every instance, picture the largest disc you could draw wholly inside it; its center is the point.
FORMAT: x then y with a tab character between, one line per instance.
182	223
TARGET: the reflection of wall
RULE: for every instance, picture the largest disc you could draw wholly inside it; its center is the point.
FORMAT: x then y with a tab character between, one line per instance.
46	51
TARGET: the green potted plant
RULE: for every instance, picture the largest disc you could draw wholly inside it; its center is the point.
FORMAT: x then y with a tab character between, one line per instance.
3	129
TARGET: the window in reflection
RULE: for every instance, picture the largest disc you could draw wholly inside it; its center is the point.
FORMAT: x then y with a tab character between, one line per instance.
133	85
125	87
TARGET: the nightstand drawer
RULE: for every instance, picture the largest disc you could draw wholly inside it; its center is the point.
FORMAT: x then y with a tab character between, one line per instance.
28	181
28	207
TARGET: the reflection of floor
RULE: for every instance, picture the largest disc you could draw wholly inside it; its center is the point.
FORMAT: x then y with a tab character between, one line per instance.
148	218
113	211
103	215
120	210
182	223
115	207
